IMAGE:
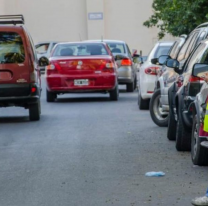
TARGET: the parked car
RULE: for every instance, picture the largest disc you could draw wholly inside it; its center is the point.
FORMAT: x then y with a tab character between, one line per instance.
159	107
82	67
190	87
127	69
199	138
148	72
194	38
44	50
20	83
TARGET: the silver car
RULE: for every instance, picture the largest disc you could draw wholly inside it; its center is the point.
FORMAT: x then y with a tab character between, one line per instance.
44	49
127	67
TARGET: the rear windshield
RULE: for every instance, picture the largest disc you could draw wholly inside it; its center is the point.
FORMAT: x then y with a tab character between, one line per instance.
79	50
117	48
11	48
162	50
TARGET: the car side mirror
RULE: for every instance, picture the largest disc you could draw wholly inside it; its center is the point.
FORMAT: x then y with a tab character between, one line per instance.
201	71
43	61
154	61
162	59
173	63
119	57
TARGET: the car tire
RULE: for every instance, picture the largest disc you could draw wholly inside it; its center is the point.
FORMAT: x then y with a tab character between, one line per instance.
34	111
143	103
135	82
114	94
130	87
172	125
183	135
50	97
155	112
199	154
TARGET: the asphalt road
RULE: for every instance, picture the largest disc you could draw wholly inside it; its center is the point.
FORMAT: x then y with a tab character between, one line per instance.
89	151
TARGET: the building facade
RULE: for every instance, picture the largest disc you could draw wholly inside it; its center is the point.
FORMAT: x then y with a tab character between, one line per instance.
72	20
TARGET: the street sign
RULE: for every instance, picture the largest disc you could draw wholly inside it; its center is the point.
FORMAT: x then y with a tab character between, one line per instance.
95	16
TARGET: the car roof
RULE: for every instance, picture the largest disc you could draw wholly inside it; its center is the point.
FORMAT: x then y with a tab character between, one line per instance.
82	42
46	42
106	40
11	27
202	25
165	43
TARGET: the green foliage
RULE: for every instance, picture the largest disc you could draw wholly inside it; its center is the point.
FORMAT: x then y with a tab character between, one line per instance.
177	17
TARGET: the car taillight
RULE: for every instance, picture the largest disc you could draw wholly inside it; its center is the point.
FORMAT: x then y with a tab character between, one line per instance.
108	67
151	70
195	79
126	62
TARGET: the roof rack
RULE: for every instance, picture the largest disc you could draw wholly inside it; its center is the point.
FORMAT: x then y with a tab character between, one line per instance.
12	19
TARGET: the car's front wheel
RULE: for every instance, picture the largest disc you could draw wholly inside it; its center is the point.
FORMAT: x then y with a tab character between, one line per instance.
172	125
50	96
159	117
34	111
199	154
183	135
114	94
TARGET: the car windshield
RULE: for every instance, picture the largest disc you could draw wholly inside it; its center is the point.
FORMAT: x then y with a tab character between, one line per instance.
79	50
11	48
162	50
117	48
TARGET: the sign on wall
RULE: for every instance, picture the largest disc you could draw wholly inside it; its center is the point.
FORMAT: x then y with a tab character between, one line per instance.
95	16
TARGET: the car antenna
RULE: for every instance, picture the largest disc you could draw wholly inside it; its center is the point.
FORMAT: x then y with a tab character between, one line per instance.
102	38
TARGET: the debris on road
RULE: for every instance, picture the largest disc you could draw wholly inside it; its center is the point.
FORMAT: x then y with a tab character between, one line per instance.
155	174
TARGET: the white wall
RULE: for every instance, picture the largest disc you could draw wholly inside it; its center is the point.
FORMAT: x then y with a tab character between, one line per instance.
52	20
67	20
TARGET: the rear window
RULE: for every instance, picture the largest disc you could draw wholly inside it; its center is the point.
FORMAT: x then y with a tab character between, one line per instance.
11	48
79	50
162	50
117	48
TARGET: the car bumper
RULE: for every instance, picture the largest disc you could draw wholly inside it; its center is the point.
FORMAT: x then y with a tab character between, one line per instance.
65	84
18	94
125	75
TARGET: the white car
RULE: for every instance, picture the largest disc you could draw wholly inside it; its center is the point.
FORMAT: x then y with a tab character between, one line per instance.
148	73
44	49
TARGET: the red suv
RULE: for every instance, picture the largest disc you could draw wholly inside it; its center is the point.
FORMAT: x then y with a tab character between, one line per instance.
19	70
81	67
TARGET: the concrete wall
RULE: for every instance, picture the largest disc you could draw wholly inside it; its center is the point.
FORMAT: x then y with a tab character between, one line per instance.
67	20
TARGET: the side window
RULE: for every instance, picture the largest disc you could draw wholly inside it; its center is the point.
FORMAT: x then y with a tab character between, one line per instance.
181	54
202	36
195	58
33	48
42	48
128	50
191	45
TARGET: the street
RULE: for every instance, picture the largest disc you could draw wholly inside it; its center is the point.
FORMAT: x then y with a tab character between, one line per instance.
89	151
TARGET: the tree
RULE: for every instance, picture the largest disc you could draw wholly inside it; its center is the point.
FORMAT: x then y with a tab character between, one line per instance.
177	17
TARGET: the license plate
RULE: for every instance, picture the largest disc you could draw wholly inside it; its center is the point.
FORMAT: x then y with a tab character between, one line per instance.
81	82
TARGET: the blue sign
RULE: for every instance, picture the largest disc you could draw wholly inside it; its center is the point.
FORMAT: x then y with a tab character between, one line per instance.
95	16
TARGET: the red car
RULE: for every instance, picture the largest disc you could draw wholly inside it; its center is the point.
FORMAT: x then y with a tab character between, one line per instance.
81	67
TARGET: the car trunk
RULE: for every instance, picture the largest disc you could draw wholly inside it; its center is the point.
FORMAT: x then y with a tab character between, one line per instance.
80	65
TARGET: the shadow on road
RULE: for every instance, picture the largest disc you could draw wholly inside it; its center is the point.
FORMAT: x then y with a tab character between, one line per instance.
19	119
82	99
